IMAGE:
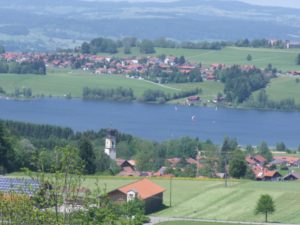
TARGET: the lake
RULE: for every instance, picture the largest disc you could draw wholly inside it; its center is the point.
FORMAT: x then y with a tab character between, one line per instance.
160	122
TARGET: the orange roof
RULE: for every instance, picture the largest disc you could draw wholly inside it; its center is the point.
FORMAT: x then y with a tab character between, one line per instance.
145	188
260	158
289	159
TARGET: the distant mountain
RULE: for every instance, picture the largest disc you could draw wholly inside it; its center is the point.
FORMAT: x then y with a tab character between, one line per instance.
51	24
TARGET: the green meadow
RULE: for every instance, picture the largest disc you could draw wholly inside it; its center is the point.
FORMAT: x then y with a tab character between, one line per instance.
282	59
209	199
284	87
194	223
62	82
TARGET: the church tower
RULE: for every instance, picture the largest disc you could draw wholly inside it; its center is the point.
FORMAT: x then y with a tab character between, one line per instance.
110	146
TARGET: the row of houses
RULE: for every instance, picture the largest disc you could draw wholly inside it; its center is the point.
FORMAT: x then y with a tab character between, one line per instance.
135	66
128	167
262	171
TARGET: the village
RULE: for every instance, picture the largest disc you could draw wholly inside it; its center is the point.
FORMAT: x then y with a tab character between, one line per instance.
262	170
133	66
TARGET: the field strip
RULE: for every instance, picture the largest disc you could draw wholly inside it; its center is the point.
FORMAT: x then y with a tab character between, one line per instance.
156	220
205	53
262	50
162	85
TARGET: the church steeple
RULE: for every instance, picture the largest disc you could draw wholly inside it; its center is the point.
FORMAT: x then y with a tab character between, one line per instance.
110	145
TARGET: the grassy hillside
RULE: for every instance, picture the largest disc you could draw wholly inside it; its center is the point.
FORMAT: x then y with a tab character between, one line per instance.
284	87
282	59
62	82
211	200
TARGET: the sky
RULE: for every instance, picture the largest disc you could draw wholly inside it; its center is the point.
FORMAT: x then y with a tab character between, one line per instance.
279	3
282	3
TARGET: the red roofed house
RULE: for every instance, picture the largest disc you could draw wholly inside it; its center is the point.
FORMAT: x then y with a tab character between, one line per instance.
260	159
265	174
145	190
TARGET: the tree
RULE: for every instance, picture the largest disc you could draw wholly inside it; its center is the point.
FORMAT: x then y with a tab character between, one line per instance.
127	50
237	165
87	155
181	60
265	205
281	147
249	57
2	49
249	150
229	145
85	48
147	47
7	154
298	59
264	150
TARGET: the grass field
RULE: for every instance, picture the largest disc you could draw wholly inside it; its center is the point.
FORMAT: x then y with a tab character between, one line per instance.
211	200
193	223
210	89
284	87
282	59
62	82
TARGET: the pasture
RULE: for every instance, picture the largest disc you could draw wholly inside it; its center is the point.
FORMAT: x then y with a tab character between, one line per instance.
209	199
283	88
61	82
282	59
58	83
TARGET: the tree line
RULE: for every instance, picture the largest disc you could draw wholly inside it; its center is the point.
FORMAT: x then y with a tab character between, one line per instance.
262	101
127	94
115	94
146	46
26	67
158	96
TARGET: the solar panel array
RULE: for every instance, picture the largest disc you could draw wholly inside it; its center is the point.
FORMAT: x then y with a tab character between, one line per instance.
18	185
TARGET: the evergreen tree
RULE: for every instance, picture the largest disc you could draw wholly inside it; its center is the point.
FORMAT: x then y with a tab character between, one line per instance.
87	155
7	154
249	57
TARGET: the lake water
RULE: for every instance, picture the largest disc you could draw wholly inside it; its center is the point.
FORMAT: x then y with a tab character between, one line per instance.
160	122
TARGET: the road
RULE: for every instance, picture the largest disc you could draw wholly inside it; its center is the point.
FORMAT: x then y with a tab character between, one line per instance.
156	220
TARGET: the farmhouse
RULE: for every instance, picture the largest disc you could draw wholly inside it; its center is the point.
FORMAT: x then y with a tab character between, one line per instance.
291	176
145	190
263	174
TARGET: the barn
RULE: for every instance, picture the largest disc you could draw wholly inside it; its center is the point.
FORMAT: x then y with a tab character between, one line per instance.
145	190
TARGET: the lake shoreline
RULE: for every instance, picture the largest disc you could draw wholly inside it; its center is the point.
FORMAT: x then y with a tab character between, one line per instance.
209	105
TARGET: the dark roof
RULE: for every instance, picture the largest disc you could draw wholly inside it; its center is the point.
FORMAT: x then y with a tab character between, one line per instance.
294	174
18	185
